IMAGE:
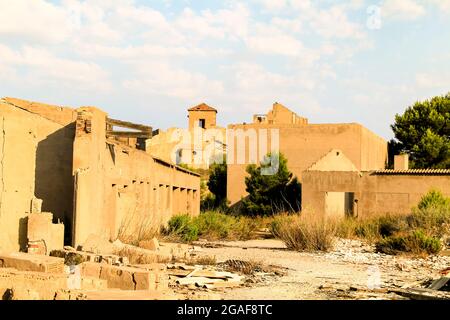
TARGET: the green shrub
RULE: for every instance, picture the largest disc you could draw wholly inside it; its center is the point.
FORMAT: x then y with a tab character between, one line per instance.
372	228
416	242
432	214
434	199
183	227
214	224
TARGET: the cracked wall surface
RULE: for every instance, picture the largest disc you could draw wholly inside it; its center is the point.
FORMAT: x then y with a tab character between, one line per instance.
62	156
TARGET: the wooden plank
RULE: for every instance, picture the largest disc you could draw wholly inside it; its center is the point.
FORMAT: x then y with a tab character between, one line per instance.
129	134
130	125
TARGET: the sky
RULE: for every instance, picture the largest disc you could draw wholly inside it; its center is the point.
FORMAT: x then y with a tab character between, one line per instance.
148	61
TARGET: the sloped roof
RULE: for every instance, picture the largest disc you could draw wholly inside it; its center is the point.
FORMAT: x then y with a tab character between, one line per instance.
335	160
414	172
202	107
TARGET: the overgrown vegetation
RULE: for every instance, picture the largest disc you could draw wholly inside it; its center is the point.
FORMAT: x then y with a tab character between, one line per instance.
213	225
271	188
304	232
415	242
181	226
421	231
417	233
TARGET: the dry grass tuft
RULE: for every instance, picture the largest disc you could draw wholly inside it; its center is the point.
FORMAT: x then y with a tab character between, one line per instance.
305	232
135	229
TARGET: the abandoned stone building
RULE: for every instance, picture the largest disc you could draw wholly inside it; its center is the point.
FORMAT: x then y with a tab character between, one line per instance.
335	187
197	146
74	164
73	171
301	142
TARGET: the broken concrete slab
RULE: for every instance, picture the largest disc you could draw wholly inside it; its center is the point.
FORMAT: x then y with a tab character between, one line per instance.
126	278
30	262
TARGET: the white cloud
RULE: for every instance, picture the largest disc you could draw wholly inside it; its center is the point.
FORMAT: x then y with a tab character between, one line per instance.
38	67
402	10
443	5
270	40
334	23
36	21
433	80
160	78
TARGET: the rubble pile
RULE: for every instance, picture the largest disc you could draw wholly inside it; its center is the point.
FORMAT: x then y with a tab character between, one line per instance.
92	270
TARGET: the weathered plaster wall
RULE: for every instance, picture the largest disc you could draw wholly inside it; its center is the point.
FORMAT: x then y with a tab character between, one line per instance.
54	129
303	145
376	193
18	142
36	161
119	189
112	184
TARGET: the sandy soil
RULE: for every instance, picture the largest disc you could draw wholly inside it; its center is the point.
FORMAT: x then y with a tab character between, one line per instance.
352	271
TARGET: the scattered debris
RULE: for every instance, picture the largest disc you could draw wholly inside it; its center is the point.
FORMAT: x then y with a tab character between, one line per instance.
422	294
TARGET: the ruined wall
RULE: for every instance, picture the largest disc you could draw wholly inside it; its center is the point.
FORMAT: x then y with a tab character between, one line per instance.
18	142
303	145
120	190
282	115
36	153
376	193
54	129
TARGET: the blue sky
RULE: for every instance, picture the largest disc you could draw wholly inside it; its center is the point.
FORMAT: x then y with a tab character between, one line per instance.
148	61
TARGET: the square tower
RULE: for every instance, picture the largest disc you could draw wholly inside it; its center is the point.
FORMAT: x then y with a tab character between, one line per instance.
202	116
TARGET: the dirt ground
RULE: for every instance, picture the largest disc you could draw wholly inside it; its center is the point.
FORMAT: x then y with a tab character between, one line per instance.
351	271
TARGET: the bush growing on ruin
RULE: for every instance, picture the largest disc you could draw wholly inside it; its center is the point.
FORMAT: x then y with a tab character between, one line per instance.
270	194
423	131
